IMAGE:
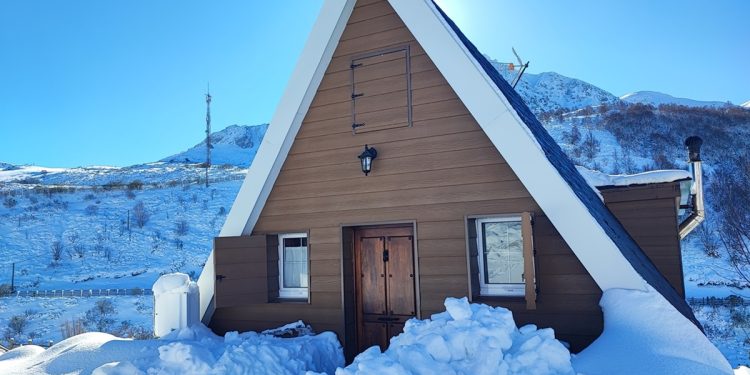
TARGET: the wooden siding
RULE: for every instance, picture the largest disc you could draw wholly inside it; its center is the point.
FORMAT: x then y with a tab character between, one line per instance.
436	173
649	213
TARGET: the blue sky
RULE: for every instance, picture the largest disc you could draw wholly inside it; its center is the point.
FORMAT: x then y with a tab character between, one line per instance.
91	82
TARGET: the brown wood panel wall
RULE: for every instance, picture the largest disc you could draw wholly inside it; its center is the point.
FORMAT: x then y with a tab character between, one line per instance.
649	213
435	173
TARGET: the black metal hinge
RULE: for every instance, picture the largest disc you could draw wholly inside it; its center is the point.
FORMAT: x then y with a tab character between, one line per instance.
357	125
355	65
220	277
355	96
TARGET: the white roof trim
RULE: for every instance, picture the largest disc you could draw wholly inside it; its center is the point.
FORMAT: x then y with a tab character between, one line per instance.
594	248
281	132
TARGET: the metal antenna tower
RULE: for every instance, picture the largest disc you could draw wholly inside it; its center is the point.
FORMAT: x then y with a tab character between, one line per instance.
208	131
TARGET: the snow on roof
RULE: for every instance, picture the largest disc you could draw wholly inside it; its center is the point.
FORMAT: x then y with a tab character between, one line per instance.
600	179
644	335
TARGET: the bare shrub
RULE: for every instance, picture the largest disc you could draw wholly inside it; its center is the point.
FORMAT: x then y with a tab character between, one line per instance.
101	316
181	227
5	289
57	248
135	185
9	202
76	245
16	325
730	189
71	328
91	210
140	214
130	194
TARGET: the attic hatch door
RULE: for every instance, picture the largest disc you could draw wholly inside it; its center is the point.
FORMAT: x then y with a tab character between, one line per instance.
381	90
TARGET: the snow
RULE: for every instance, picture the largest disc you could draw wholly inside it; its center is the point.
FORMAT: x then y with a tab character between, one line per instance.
172	283
466	339
644	334
745	104
599	179
656	98
194	350
234	145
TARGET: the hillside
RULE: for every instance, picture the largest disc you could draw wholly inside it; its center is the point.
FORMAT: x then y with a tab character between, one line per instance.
657	98
236	145
551	91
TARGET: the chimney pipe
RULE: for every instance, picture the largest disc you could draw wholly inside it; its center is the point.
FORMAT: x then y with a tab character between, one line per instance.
697	210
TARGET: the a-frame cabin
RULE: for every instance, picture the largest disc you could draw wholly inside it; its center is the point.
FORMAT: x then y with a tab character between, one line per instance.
468	196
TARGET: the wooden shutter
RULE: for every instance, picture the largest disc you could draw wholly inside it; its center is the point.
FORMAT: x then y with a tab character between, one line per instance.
241	270
381	90
528	263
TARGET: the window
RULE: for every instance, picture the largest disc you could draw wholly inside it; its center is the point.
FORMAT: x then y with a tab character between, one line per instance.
500	253
293	265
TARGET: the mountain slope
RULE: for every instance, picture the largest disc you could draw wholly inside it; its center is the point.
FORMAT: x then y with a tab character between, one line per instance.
746	104
235	145
656	98
551	91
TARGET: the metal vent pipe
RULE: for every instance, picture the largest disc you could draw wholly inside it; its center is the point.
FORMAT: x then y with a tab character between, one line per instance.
697	209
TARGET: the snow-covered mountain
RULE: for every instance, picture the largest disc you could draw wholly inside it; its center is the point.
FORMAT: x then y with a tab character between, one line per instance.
236	145
745	104
656	98
551	91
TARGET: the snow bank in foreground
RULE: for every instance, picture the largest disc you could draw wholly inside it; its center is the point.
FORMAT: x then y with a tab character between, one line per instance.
193	350
599	179
644	334
466	339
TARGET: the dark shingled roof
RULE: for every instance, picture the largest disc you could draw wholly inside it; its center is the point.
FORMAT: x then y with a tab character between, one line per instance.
628	247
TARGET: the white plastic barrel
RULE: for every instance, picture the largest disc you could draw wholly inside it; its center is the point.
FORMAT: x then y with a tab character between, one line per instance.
176	303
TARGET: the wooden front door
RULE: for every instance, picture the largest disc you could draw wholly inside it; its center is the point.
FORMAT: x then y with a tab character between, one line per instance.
384	270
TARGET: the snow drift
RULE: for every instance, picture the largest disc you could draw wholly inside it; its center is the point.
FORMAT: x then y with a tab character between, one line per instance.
644	334
466	339
193	350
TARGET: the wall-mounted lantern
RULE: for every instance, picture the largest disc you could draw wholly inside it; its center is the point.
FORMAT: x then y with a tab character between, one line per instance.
366	158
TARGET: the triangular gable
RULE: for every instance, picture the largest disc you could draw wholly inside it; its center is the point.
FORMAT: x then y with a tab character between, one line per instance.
599	241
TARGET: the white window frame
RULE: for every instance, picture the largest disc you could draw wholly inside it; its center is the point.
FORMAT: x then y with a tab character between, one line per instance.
292	292
498	290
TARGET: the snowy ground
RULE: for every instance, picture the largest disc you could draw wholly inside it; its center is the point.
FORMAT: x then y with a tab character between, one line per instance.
97	251
643	334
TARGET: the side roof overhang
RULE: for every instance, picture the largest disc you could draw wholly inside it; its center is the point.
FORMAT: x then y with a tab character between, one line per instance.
597	238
